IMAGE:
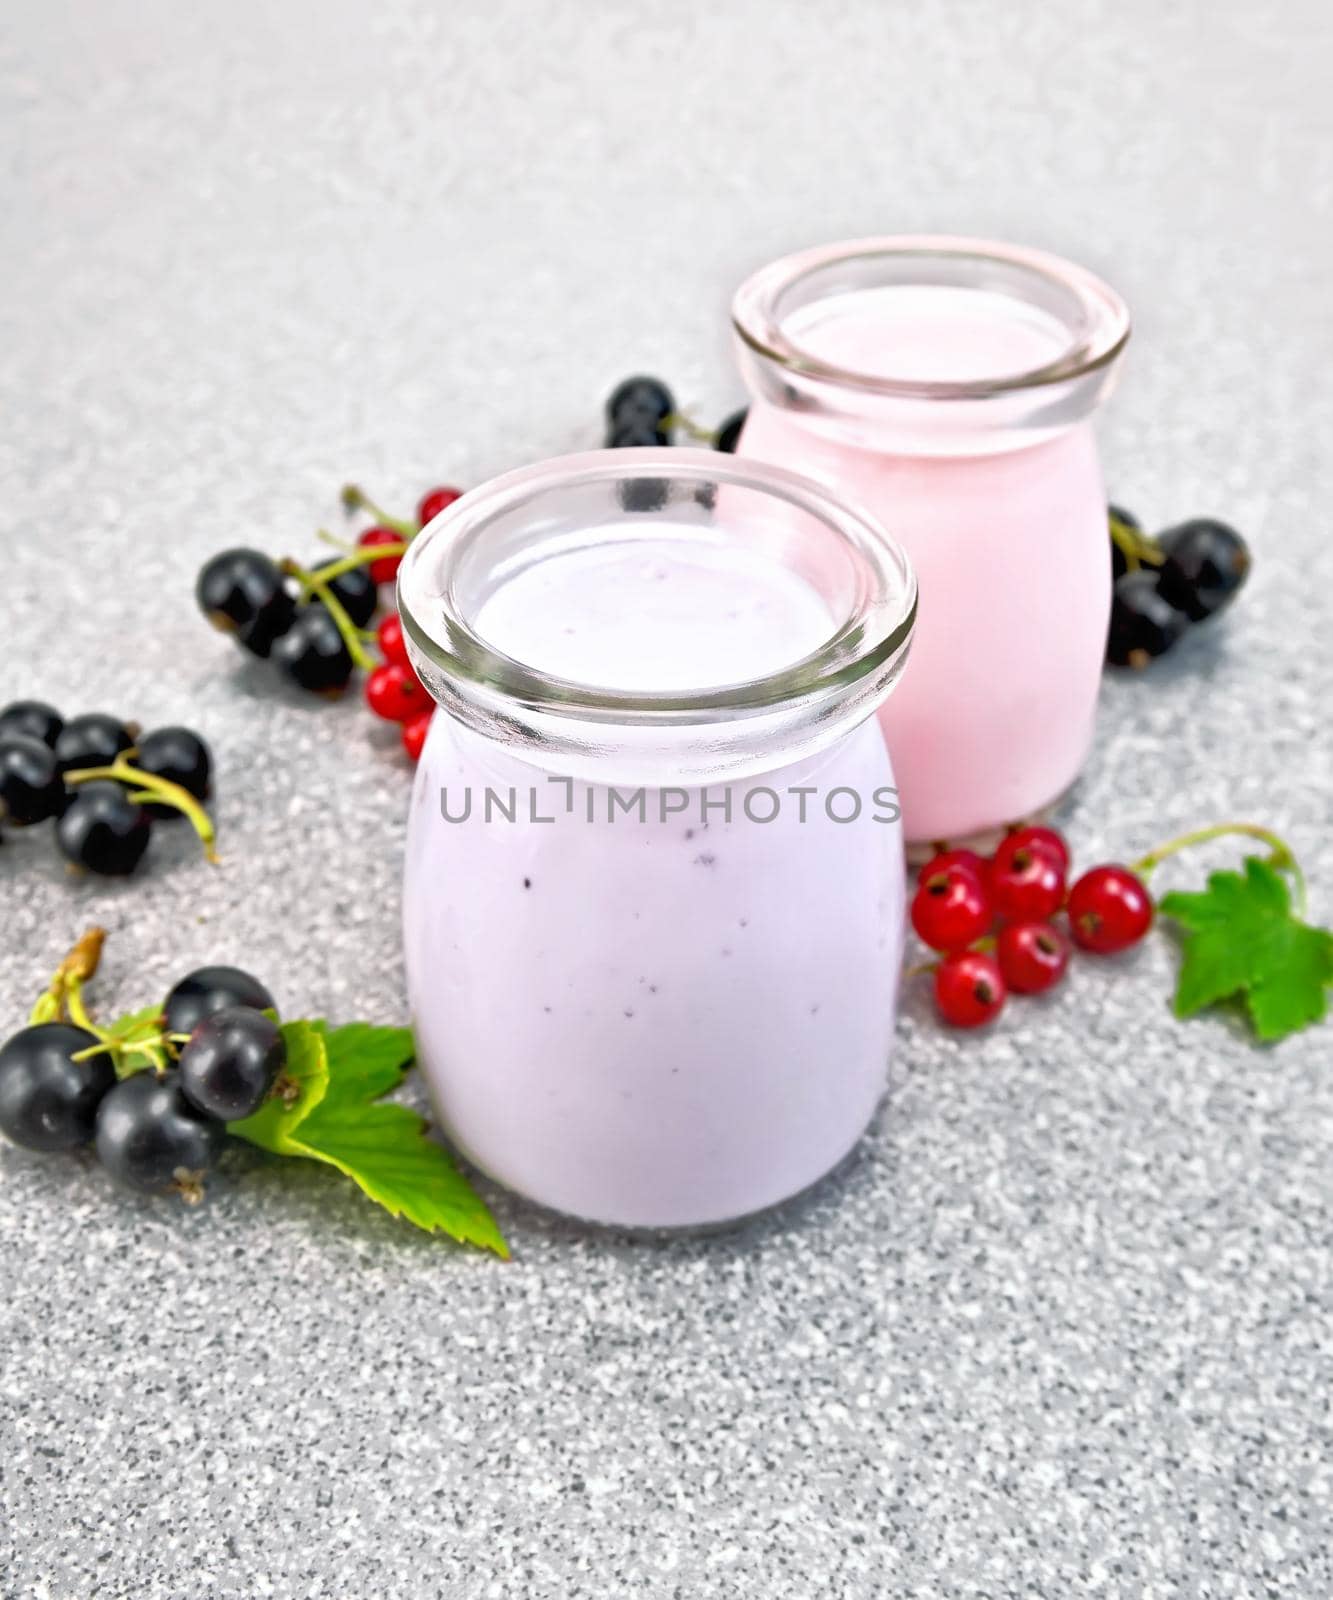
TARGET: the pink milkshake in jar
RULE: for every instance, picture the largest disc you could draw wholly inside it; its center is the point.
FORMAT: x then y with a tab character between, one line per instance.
948	386
654	886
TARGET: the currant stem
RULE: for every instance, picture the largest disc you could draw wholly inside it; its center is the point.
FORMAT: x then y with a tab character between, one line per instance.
85	956
1282	858
62	1001
355	498
688	426
320	583
361	556
77	966
1137	548
153	1052
986	944
78	1013
107	1043
160	791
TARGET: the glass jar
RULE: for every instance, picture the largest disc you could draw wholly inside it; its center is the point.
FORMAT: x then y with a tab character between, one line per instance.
947	386
654	887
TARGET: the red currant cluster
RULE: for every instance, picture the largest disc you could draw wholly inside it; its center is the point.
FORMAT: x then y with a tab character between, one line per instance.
994	921
394	692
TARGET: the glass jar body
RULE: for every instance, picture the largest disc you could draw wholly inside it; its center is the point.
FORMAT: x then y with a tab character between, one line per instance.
654	1010
654	885
948	386
994	715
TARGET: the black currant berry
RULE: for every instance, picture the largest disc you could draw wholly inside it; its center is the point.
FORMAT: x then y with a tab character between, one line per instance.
208	990
103	830
150	1137
179	756
49	1101
636	433
313	654
34	719
1206	563
92	740
232	1060
30	786
1144	625
639	397
243	592
356	590
729	433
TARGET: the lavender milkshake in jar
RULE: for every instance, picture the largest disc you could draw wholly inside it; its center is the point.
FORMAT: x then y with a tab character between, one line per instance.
654	889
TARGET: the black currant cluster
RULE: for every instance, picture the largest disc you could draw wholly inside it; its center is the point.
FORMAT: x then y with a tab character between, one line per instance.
642	411
639	412
1165	582
311	622
103	784
216	1059
248	594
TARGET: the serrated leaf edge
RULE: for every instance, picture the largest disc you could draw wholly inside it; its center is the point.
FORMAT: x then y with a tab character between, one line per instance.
318	1031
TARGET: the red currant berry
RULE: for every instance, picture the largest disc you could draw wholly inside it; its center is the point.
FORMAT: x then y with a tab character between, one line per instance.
969	988
434	501
1043	839
1109	909
395	693
385	570
1027	886
1032	955
951	909
968	859
389	636
414	735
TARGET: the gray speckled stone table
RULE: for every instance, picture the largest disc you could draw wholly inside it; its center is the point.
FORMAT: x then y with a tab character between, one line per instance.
1063	1328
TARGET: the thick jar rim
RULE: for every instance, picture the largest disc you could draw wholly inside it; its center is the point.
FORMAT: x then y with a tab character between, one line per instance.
870	642
1095	315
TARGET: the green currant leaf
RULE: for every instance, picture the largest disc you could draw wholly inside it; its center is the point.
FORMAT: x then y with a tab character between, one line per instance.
1243	939
365	1059
334	1114
385	1151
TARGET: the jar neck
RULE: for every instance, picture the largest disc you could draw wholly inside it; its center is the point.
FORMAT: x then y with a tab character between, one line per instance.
808	438
930	346
657	616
